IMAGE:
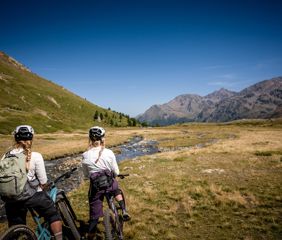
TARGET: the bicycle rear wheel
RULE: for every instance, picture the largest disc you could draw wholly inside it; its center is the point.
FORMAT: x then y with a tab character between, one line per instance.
68	220
113	226
19	232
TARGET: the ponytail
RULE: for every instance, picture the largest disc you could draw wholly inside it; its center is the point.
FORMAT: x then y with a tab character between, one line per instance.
97	143
26	145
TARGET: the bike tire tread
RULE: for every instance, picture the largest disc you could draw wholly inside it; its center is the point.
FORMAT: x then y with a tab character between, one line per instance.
16	231
63	208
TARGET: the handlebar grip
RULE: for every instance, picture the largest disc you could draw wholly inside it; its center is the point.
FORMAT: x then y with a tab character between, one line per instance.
122	176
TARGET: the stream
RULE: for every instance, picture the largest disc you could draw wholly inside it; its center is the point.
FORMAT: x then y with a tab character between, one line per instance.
135	147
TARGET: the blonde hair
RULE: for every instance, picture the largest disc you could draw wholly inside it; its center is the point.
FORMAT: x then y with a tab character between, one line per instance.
97	143
26	145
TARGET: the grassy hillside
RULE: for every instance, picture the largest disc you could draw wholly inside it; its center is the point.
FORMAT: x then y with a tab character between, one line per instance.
29	99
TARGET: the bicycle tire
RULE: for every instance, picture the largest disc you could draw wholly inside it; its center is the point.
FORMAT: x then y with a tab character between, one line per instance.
19	232
109	228
112	224
120	216
68	220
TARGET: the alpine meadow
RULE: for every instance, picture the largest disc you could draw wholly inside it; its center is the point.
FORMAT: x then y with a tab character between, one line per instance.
207	180
204	161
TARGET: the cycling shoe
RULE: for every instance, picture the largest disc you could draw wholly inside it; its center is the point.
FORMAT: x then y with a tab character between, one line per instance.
125	216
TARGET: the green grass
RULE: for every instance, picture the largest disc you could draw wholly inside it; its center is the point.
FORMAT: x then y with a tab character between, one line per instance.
27	98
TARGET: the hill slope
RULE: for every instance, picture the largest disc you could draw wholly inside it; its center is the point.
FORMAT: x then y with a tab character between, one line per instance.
262	100
26	98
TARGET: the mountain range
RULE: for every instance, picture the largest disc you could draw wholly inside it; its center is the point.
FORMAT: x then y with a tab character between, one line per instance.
261	100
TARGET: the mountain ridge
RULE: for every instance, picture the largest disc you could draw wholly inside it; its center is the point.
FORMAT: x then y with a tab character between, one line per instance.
261	100
26	98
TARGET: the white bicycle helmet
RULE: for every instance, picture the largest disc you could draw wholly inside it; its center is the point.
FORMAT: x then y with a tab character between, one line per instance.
96	133
23	132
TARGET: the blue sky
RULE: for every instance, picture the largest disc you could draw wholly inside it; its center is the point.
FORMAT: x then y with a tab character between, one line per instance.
129	55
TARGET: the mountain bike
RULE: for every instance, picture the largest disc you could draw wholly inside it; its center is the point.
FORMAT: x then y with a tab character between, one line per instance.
113	220
42	231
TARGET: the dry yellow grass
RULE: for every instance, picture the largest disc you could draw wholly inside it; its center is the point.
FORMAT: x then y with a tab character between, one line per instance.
199	188
61	144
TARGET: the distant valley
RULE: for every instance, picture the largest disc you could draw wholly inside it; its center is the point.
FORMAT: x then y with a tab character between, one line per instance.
261	100
28	98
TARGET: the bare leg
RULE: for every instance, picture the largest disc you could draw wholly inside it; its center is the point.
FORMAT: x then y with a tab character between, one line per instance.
121	203
119	197
56	228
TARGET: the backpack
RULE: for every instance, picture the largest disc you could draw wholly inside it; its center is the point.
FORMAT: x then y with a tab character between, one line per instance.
13	175
101	181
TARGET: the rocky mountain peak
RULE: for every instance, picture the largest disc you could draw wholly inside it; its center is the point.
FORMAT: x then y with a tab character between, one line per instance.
220	95
261	100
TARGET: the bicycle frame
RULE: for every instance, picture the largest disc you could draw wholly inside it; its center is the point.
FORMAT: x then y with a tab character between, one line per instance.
116	220
43	229
110	201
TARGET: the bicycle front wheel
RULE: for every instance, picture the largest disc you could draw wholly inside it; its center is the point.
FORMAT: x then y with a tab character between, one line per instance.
19	232
68	220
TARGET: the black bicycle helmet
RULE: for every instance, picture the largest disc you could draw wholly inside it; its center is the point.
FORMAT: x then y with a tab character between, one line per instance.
23	132
96	133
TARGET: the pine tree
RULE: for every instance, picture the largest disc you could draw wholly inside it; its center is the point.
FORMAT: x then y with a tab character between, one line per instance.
101	116
134	122
96	115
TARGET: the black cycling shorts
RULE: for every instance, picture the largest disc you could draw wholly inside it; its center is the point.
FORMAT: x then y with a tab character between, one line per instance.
40	202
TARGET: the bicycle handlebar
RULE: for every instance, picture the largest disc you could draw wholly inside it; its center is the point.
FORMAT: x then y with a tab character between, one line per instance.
65	175
122	176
